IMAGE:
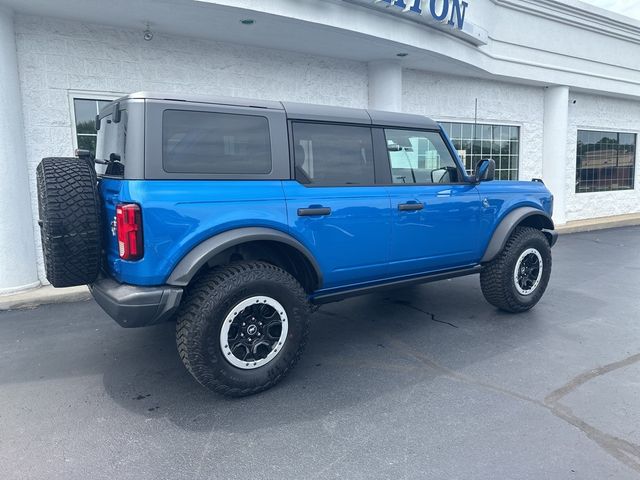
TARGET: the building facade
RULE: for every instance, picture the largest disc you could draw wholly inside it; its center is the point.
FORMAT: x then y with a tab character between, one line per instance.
549	89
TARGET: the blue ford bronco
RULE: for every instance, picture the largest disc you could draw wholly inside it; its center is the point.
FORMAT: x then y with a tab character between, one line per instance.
234	218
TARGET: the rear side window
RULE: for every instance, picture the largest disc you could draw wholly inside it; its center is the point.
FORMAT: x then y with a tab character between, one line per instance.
111	145
332	154
215	143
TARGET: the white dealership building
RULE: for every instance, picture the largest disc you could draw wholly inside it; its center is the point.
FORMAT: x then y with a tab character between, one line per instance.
549	89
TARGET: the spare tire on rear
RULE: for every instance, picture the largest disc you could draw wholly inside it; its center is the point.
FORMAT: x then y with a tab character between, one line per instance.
70	223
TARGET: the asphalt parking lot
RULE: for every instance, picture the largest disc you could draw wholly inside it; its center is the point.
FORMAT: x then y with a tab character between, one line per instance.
425	382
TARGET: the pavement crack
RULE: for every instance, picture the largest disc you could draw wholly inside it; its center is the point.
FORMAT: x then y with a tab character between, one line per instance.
431	316
583	378
622	450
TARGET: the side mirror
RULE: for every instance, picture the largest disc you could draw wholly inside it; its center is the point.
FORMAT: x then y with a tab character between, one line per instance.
485	170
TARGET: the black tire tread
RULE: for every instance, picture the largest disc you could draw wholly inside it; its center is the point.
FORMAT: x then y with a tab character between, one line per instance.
212	287
69	210
495	277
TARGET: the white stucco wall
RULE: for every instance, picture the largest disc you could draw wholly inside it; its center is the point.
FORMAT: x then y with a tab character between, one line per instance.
56	56
591	112
444	97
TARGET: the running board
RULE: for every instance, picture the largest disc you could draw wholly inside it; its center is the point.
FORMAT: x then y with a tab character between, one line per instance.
397	283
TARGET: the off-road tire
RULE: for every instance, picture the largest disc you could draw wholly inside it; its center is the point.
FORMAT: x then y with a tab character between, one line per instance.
70	222
497	277
207	303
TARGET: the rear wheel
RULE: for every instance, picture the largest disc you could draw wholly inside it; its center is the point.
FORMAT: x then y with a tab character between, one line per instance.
69	210
517	278
242	327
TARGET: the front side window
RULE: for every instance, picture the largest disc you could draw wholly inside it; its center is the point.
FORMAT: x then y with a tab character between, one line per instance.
85	111
328	154
420	157
475	142
605	161
215	143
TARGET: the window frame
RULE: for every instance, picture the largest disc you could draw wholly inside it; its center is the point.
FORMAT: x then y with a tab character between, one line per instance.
492	123
292	160
618	132
73	95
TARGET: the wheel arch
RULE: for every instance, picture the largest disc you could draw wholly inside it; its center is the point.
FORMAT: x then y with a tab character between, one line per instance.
519	217
288	252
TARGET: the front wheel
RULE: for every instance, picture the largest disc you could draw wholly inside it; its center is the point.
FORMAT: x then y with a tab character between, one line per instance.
242	327
517	278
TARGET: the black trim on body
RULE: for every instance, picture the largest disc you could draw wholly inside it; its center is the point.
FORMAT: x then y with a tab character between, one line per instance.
509	223
134	306
410	207
314	211
191	263
393	283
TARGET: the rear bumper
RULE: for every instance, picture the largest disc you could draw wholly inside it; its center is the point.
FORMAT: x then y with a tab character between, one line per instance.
133	306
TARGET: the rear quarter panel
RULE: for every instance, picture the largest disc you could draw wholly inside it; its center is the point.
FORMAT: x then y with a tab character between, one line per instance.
177	215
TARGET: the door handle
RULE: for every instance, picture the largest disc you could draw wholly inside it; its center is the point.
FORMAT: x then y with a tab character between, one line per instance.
410	207
314	211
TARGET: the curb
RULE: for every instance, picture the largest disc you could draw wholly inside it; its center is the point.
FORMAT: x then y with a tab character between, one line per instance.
602	223
44	295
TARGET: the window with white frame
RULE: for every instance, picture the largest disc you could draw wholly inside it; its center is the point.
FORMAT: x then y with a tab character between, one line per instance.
85	110
475	142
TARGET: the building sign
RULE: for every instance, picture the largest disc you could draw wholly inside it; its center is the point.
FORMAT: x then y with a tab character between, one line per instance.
451	12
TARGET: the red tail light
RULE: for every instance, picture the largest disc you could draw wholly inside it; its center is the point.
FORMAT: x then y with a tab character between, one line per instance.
129	222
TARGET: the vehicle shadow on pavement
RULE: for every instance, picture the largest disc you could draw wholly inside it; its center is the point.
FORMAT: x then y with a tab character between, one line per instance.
357	351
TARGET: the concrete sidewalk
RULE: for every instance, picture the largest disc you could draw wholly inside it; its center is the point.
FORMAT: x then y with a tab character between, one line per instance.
601	223
43	295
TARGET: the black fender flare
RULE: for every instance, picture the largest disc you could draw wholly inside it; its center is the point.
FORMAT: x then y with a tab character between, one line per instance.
191	263
509	223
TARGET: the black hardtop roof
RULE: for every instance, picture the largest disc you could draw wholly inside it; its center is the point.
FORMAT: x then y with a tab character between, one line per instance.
301	111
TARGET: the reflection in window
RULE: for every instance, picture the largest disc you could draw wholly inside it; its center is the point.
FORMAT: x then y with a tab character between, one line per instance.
419	157
605	161
85	110
476	142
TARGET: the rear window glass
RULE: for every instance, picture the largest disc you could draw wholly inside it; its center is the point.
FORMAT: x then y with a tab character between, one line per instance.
111	145
215	143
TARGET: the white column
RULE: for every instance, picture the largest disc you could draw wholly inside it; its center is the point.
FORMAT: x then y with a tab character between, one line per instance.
555	142
385	86
17	252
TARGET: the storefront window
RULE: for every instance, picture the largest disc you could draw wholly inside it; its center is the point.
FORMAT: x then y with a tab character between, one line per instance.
85	111
477	141
605	161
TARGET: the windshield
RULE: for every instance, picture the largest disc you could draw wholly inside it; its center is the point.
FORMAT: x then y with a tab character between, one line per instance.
111	145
